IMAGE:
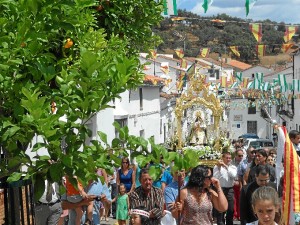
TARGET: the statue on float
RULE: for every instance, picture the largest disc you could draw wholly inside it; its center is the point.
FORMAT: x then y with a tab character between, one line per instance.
198	133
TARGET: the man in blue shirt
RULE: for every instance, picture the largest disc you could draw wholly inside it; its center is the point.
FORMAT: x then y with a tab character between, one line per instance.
171	191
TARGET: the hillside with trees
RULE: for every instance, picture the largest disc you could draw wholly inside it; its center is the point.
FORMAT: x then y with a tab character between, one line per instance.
200	32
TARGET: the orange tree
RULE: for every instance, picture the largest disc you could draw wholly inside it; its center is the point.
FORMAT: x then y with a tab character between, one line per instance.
77	55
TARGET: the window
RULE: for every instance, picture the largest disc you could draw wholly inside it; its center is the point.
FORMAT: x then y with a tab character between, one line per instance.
123	123
214	73
165	132
161	127
142	133
252	127
251	106
141	98
263	114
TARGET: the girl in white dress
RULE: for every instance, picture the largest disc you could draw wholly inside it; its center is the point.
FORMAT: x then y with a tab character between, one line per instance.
265	203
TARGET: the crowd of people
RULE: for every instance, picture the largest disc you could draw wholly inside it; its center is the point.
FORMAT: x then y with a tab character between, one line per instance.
242	186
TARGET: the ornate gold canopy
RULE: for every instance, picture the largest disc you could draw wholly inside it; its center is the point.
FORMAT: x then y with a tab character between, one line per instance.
197	95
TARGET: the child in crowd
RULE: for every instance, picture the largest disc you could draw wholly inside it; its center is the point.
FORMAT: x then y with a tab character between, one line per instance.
139	216
75	195
265	203
122	205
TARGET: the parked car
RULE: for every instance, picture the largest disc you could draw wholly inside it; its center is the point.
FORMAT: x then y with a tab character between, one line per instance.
258	143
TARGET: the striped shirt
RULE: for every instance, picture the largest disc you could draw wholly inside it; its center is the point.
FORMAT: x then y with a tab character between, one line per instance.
154	202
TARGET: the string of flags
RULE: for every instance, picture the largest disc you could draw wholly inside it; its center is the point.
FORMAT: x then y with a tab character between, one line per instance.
170	6
274	92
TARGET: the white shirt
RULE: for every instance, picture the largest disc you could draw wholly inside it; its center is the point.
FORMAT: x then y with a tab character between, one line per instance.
55	197
226	176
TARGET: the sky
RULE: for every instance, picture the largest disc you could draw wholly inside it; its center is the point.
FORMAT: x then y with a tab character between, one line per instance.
276	10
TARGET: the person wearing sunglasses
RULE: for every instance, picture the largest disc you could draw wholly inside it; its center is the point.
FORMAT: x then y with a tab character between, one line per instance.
262	178
197	199
126	175
226	173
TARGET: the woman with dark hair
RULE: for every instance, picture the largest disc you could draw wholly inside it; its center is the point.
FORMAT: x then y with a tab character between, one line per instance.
126	175
198	197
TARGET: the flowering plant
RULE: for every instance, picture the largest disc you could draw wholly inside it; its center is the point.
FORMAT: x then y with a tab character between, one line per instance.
204	152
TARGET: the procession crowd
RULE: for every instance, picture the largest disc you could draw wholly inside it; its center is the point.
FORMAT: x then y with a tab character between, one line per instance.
242	186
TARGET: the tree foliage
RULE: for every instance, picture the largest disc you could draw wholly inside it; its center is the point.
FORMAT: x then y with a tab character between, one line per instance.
77	55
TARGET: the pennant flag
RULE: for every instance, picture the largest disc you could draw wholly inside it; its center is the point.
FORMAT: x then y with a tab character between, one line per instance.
296	85
282	81
245	82
291	178
181	80
206	4
256	84
191	71
165	69
183	64
153	54
260	77
256	29
234	49
249	4
146	67
266	86
231	79
261	50
223	81
234	85
239	76
289	33
286	47
179	53
170	7
204	52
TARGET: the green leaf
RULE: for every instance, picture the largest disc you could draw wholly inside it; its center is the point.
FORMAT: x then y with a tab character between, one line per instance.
155	172
67	160
102	136
39	187
115	143
10	132
56	172
14	177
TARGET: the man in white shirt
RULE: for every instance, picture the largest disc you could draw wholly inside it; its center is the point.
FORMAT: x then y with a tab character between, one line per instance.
48	208
226	173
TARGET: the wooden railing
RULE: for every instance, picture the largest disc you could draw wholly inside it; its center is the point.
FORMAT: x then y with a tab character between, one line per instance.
16	203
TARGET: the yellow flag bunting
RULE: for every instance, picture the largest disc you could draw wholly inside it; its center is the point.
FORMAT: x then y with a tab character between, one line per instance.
234	49
153	54
261	50
286	47
179	53
289	33
204	52
256	30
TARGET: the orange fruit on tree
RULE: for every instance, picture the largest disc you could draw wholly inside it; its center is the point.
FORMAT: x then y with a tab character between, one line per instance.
69	43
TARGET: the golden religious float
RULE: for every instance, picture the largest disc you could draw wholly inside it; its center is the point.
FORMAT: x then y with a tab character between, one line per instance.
198	112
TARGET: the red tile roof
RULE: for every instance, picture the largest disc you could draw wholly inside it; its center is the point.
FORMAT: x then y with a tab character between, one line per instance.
239	64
